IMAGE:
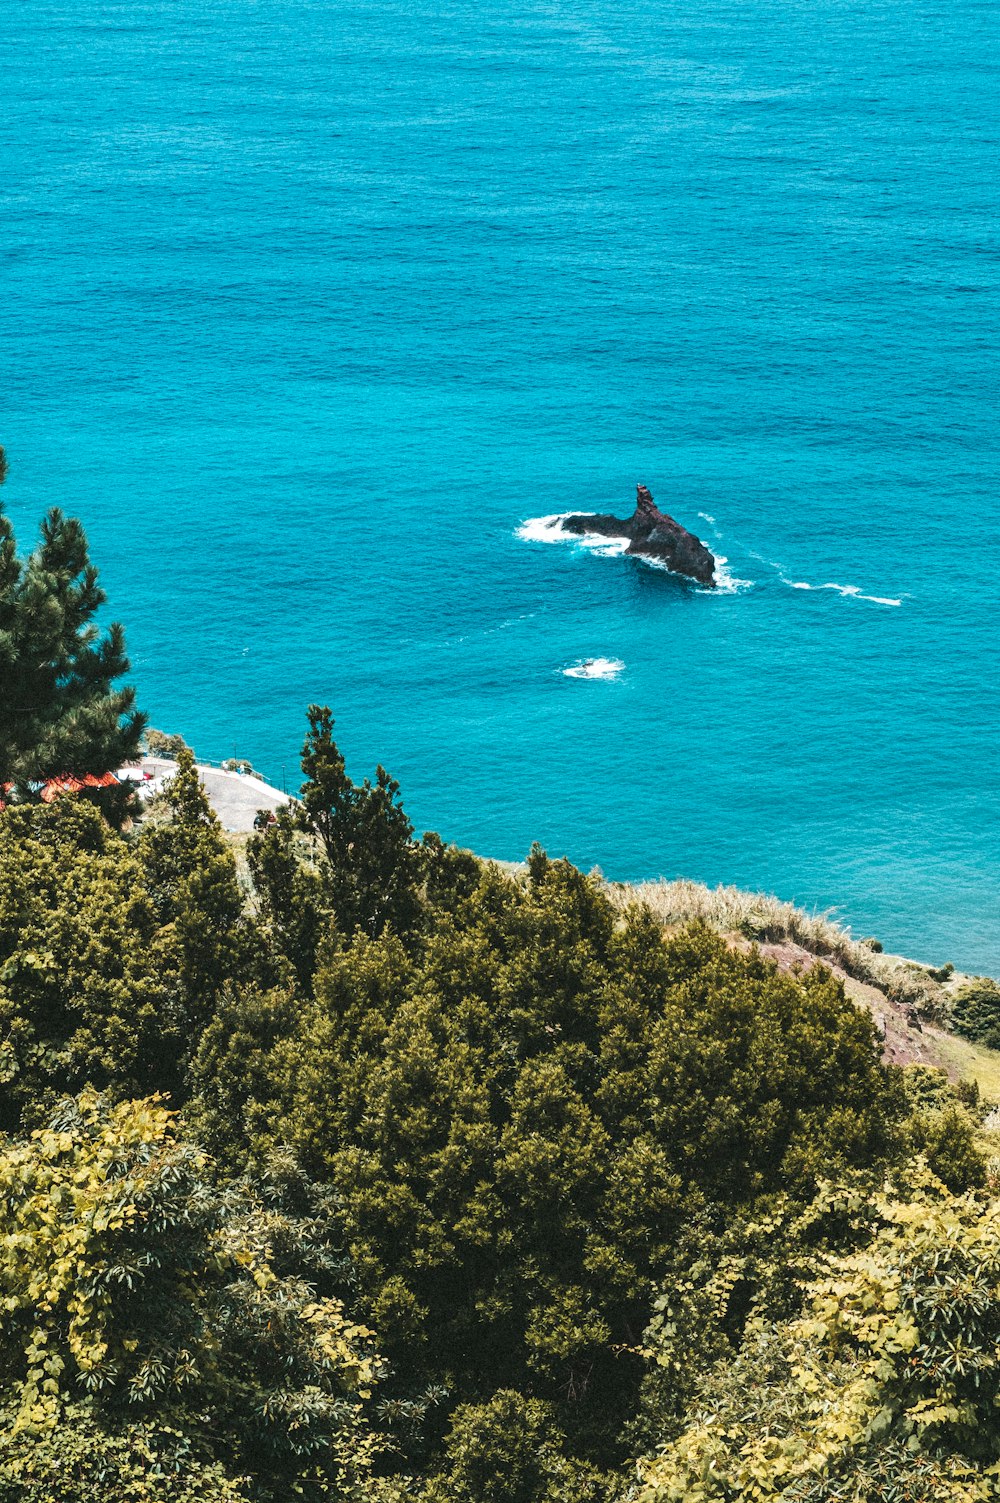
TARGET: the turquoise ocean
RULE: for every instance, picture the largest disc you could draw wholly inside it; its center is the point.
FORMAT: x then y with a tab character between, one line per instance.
308	308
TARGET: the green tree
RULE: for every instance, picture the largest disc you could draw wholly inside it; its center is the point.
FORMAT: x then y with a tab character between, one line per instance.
372	866
522	1112
190	874
127	1277
59	711
292	896
883	1388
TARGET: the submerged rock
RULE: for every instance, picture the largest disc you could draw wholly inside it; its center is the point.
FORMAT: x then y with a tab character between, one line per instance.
652	534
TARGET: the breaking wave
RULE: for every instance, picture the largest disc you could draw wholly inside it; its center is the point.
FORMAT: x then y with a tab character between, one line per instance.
726	583
595	668
547	530
544	529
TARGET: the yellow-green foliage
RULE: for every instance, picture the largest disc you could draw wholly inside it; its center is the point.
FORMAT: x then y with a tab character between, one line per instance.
125	1275
81	1461
890	1373
66	1210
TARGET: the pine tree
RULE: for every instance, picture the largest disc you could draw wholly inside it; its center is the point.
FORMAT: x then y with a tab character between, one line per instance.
60	713
373	866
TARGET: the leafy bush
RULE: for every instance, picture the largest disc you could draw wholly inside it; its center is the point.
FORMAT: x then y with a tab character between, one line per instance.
941	1130
160	744
83	1459
976	1012
884	1386
126	1275
520	1112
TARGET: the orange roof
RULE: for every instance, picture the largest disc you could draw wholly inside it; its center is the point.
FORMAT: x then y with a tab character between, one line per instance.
55	786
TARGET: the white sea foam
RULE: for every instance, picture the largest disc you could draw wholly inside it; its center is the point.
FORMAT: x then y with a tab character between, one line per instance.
545	529
595	668
852	590
548	530
727	583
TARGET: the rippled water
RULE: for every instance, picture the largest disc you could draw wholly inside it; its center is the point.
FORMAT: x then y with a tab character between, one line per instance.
308	308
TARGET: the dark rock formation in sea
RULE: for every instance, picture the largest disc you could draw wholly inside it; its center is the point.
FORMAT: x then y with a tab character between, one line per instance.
652	534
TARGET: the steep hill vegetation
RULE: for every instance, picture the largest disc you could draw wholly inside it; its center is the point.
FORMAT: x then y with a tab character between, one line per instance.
375	1171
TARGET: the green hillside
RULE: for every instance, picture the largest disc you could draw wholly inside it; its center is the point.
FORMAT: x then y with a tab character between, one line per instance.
342	1164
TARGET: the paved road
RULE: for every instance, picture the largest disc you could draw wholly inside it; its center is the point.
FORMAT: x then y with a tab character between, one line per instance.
234	796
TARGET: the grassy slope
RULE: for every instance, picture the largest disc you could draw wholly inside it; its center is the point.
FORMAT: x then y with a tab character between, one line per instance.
970	1062
910	1006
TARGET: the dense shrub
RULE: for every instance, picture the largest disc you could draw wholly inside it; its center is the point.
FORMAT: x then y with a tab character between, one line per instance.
884	1387
522	1113
509	1450
126	1275
976	1012
89	982
111	955
941	1129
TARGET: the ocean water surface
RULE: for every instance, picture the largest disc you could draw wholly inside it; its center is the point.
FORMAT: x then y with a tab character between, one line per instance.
312	309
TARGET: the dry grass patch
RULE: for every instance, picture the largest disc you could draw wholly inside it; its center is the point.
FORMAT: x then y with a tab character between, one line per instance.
758	916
